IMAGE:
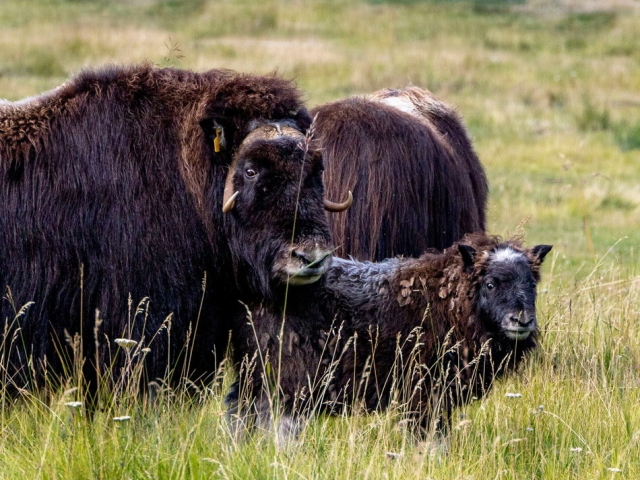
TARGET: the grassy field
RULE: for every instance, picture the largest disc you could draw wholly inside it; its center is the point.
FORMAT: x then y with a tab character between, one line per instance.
550	91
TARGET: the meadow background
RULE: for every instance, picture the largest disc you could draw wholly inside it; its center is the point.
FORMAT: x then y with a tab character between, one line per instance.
550	93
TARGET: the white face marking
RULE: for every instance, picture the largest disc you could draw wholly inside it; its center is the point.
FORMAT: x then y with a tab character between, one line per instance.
401	104
507	255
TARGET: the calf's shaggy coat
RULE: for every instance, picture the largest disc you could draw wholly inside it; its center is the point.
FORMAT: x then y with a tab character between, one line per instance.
416	181
111	187
428	334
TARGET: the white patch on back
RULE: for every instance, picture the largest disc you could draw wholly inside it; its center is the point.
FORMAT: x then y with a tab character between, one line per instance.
402	104
32	100
507	255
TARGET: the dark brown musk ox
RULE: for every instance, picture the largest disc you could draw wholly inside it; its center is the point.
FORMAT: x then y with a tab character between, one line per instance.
115	222
425	335
417	182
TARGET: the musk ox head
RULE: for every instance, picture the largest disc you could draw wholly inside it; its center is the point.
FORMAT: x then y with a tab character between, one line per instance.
506	296
274	205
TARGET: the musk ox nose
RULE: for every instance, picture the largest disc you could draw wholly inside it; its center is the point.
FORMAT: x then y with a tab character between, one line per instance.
310	257
303	265
518	326
523	320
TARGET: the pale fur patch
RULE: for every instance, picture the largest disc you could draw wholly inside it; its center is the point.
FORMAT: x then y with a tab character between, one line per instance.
34	100
401	103
507	255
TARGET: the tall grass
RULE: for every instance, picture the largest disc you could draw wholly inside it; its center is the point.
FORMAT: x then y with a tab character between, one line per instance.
549	91
577	415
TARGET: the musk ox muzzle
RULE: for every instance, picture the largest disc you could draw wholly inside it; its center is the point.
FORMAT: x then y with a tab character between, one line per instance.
519	325
305	264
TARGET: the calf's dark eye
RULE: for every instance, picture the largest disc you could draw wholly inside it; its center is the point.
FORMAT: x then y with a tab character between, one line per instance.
490	286
250	173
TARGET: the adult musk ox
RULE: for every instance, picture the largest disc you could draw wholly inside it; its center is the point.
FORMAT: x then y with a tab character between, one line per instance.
416	180
141	203
425	334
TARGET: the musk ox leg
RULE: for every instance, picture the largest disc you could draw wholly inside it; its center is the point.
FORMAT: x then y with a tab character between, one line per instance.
287	426
238	419
247	410
245	413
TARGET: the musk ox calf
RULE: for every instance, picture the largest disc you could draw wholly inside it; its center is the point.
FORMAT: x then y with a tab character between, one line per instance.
424	334
179	190
416	180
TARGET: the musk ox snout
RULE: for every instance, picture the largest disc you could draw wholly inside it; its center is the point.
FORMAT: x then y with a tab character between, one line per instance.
518	325
303	263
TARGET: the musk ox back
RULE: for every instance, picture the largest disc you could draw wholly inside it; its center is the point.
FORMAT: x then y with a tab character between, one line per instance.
112	190
416	180
426	334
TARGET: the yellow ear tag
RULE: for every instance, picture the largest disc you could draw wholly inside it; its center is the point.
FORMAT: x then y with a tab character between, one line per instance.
216	141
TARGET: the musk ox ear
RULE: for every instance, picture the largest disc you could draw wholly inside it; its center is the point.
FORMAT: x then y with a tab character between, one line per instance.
468	254
217	132
540	251
303	119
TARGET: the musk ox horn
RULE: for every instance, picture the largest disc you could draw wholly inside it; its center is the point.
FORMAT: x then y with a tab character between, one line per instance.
229	196
229	203
338	207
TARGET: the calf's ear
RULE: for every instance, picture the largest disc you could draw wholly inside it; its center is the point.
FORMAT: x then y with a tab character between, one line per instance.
540	251
303	119
468	254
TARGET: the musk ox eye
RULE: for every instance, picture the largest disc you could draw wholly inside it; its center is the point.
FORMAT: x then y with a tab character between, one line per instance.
250	173
490	286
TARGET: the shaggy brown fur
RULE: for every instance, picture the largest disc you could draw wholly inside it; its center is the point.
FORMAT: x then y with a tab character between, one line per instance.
416	180
110	189
428	333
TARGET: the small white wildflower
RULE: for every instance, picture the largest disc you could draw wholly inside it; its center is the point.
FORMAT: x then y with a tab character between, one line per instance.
575	449
124	418
73	404
513	395
540	407
125	343
614	470
529	429
393	455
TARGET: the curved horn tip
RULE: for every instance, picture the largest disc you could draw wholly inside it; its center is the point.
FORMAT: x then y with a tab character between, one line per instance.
339	207
229	204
